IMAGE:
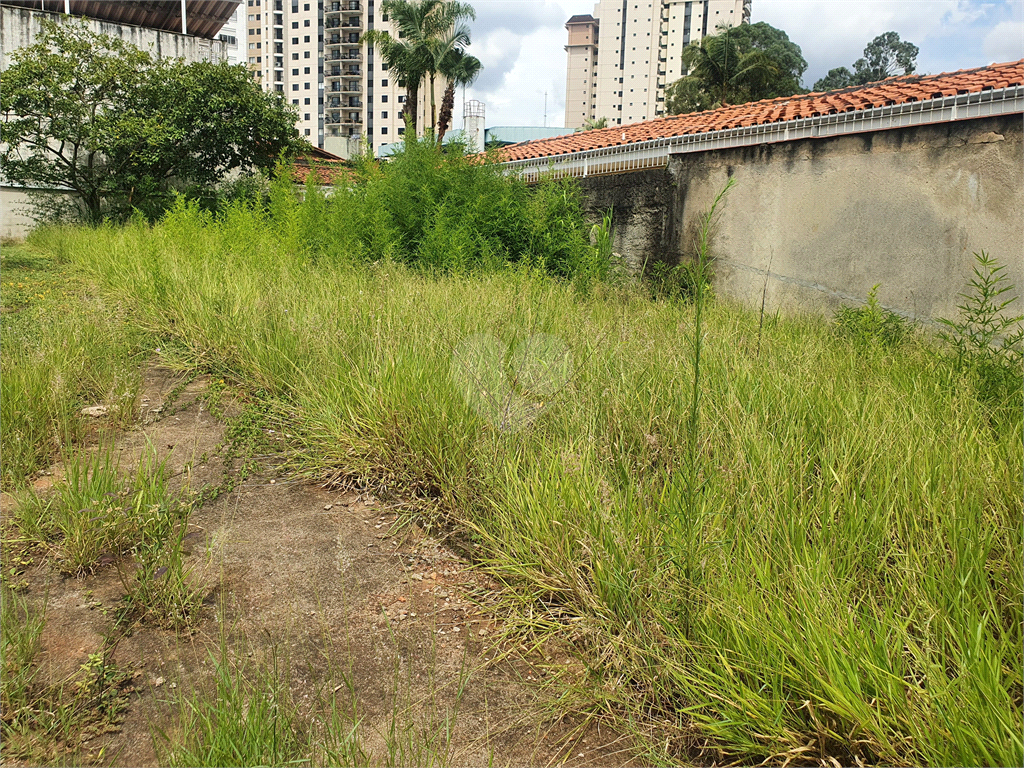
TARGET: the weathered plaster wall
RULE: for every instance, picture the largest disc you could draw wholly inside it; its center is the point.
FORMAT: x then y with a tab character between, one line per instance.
905	208
640	204
19	28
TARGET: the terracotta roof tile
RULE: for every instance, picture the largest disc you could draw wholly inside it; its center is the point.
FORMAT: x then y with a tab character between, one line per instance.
895	90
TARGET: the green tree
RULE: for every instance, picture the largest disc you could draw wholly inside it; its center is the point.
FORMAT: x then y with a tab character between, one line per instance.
461	68
837	78
884	57
445	49
93	114
720	73
783	52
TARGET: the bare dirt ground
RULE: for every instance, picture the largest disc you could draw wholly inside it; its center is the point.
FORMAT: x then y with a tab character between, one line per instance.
329	583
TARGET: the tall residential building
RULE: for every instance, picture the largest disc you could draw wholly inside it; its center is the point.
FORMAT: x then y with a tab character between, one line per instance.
230	33
621	59
309	51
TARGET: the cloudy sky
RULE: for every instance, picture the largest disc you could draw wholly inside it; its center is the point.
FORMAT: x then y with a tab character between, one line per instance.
521	42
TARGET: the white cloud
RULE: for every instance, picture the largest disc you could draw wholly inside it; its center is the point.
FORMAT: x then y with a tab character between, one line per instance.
1005	42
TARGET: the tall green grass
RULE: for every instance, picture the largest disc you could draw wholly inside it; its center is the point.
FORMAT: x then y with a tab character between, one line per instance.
60	352
854	551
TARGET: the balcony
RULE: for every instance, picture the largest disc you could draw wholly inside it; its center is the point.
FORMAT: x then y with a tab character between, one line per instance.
354	102
332	7
351	87
332	40
353	55
354	71
353	22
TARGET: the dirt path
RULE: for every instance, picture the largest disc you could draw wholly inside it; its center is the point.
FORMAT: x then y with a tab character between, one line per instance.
324	580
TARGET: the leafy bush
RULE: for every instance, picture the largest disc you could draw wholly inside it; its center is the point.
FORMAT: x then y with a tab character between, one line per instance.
439	210
872	325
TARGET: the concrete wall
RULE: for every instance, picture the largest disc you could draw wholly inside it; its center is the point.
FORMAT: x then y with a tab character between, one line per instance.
905	208
19	27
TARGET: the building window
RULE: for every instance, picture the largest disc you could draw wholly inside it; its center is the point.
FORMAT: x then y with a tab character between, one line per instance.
383	129
401	130
295	102
383	83
295	25
295	71
295	87
383	17
305	55
306	39
252	46
383	115
295	41
305	7
252	59
384	98
401	99
305	23
306	116
306	86
306	72
252	17
295	56
307	99
259	45
307	131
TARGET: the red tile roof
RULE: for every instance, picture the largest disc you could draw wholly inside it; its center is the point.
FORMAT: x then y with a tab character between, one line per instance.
330	168
895	90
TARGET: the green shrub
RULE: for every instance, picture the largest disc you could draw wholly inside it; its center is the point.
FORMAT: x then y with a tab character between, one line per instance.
872	325
440	211
986	342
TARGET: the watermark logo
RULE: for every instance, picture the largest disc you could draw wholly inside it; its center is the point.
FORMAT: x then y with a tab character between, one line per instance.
511	387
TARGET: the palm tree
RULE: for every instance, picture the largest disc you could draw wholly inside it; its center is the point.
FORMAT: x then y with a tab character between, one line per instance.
590	124
444	48
460	68
718	69
427	29
405	63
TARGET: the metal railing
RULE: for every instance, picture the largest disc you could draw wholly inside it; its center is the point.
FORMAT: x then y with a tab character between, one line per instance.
655	153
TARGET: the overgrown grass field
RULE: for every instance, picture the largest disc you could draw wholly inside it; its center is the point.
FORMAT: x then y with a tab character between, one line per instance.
834	574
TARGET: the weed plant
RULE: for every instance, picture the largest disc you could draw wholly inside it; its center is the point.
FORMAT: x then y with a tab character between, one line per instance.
987	341
43	719
855	542
871	325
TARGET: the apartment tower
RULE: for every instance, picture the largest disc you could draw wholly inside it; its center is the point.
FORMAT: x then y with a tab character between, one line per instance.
309	51
621	59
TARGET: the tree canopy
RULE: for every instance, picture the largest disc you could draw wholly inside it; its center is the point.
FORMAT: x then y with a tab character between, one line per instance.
884	57
93	114
737	65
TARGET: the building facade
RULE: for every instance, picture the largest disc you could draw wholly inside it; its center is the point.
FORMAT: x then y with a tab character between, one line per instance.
621	58
309	51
